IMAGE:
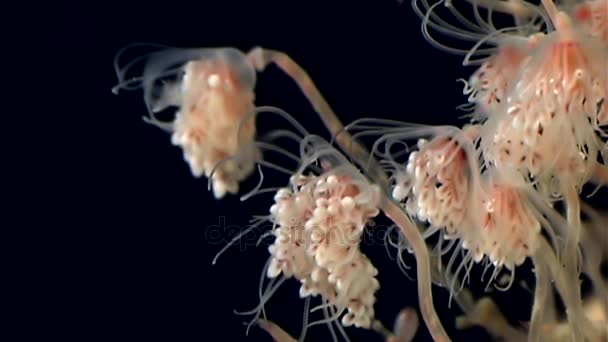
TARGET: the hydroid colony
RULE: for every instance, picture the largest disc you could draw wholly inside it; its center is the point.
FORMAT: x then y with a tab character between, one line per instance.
492	190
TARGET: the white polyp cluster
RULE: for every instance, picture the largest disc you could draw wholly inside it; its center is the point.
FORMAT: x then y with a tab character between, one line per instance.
208	125
320	221
510	230
439	183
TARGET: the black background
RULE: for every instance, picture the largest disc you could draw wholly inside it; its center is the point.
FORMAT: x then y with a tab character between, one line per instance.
120	246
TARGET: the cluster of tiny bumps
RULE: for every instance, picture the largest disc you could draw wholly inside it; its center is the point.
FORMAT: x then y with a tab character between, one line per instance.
320	221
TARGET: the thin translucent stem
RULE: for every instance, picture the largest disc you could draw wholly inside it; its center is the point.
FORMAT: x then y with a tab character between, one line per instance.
425	294
582	329
551	9
571	256
260	58
594	242
277	333
573	214
542	302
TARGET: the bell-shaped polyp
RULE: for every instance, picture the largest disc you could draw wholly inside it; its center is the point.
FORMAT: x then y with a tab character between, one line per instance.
487	88
211	125
541	147
567	74
509	230
438	177
213	90
441	182
547	127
